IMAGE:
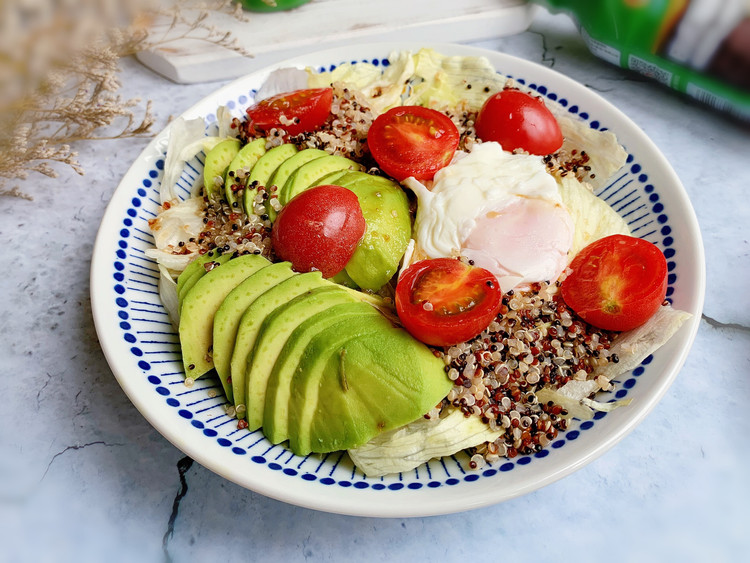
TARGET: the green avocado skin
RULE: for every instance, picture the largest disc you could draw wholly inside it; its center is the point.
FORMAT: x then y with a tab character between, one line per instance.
200	305
273	334
278	390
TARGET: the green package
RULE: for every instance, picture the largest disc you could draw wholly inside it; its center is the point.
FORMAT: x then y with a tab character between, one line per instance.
697	47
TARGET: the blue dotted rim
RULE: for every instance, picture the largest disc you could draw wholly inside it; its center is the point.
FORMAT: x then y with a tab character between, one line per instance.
154	344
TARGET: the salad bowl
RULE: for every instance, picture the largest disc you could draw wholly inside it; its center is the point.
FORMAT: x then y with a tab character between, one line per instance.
143	348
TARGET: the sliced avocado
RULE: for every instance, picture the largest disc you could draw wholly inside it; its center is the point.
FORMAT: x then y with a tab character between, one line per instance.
286	168
385	208
250	323
215	167
200	305
261	173
329	179
382	380
342	278
272	336
247	159
308	173
202	271
228	316
196	267
325	347
278	389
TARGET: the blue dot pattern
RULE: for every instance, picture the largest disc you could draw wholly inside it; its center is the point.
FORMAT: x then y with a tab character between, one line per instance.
154	344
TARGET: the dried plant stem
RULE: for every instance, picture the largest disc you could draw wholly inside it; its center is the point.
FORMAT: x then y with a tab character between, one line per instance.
59	74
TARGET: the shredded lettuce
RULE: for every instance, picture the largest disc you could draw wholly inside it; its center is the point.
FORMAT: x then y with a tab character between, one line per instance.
179	223
592	216
168	295
407	447
634	346
282	80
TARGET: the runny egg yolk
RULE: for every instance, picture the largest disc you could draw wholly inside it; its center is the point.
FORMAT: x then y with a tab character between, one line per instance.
501	210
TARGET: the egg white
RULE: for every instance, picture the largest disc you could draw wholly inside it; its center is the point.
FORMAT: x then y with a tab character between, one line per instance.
501	210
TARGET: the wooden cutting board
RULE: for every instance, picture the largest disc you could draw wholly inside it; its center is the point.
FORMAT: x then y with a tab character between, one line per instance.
272	37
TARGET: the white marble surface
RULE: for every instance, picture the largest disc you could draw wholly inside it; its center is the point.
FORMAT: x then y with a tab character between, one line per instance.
83	476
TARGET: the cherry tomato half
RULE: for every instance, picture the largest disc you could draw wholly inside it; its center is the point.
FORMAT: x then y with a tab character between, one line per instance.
517	120
319	229
412	141
308	110
616	283
444	301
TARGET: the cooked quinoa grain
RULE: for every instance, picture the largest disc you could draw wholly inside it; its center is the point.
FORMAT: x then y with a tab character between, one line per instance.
536	341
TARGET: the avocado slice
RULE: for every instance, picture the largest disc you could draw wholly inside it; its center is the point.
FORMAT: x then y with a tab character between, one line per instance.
278	389
198	274
329	179
246	158
261	173
286	168
228	316
273	334
250	323
308	173
324	348
215	167
195	270
382	380
200	305
385	208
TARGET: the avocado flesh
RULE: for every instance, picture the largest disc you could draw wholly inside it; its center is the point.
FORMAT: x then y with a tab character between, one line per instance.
384	380
264	169
246	158
329	179
249	326
273	334
196	270
278	389
385	208
228	316
324	348
286	168
200	305
308	173
215	167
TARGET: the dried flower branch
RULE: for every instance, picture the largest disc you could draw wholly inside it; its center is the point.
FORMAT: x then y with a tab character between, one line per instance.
59	74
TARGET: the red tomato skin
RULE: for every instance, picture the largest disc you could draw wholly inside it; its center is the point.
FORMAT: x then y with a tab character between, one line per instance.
616	283
517	120
308	108
319	229
455	281
412	141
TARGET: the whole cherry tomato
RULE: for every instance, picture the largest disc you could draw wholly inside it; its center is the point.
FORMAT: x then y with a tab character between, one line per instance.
517	120
444	301
616	283
412	141
302	111
319	229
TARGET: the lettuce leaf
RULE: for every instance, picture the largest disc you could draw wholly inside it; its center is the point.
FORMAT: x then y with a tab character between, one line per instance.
592	217
407	447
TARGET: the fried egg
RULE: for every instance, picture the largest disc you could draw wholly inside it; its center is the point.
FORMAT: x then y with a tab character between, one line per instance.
499	209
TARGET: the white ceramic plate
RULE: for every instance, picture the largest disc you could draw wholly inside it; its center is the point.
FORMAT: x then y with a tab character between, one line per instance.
143	349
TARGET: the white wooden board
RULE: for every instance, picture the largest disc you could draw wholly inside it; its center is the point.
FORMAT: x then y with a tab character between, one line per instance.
272	37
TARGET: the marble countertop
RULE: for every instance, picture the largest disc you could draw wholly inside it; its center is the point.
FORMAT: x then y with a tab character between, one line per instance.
84	477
